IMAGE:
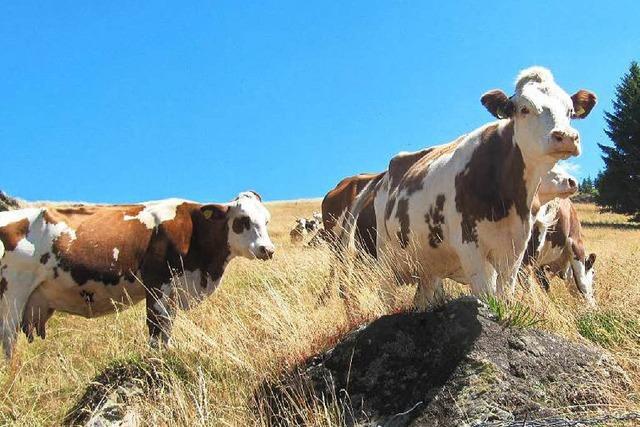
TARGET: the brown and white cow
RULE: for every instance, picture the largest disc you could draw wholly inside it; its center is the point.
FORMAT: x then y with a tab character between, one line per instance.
90	260
559	247
463	210
339	200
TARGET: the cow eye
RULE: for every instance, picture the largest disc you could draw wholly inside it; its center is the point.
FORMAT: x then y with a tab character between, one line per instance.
524	110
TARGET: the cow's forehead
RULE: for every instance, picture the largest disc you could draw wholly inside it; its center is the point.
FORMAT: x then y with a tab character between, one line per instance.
253	208
545	94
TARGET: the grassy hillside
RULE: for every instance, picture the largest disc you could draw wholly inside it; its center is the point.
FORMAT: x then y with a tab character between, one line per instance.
266	318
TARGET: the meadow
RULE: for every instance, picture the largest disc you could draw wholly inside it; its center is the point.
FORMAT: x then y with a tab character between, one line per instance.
266	318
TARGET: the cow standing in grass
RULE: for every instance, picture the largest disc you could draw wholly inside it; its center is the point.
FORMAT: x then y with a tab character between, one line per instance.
557	244
90	260
463	210
336	204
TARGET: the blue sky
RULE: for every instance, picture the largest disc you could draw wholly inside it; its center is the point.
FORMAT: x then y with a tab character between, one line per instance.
122	101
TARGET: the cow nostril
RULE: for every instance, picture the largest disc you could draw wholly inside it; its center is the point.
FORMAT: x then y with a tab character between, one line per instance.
573	183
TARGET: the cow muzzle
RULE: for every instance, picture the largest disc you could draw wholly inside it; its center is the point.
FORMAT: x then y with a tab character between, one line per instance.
265	252
564	143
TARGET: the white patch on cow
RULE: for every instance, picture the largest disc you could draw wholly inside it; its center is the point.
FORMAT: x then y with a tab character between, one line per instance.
116	253
157	212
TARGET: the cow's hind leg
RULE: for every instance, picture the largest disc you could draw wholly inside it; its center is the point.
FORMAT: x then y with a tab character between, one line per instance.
481	274
429	292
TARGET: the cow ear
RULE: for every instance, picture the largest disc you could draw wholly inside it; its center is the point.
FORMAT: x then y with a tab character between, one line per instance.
214	212
498	104
583	102
588	264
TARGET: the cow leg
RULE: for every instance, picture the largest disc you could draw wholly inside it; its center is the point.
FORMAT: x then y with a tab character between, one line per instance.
161	309
482	275
429	292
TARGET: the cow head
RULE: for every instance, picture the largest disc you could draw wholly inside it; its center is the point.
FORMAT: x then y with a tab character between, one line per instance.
556	183
542	114
247	220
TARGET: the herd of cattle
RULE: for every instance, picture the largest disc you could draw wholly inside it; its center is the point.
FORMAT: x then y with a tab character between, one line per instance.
475	210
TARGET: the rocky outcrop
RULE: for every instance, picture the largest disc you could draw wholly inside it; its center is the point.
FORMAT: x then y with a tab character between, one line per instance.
452	366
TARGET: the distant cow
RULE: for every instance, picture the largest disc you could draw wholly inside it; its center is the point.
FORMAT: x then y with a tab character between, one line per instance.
87	260
298	232
559	247
463	210
338	201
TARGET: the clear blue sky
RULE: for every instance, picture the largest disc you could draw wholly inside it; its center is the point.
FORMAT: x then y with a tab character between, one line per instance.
119	101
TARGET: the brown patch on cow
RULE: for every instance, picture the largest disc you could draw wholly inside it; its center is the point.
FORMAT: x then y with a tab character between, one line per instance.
403	218
12	233
531	252
86	296
210	245
45	258
56	273
492	182
408	170
391	203
590	261
178	230
575	233
241	224
435	220
90	255
3	286
342	196
401	163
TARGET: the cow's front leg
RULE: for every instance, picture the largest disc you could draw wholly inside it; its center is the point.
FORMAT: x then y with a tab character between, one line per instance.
161	310
429	292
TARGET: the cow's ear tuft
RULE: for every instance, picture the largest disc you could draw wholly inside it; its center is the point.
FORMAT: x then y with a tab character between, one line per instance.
588	264
583	101
498	104
214	212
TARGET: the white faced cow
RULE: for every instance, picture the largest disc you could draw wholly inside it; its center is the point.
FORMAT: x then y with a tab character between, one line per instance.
463	210
89	260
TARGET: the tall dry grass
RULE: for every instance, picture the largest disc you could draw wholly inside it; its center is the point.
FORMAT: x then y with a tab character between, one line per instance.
266	318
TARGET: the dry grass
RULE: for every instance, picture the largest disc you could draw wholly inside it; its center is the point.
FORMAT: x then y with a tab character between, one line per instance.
266	318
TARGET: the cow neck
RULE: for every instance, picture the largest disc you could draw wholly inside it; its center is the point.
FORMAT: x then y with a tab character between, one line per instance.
533	172
210	245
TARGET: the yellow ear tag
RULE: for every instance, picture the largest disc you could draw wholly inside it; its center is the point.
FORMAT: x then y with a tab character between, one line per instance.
207	214
580	111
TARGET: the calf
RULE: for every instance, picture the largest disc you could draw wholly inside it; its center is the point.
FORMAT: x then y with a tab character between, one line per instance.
88	260
337	203
561	249
463	210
